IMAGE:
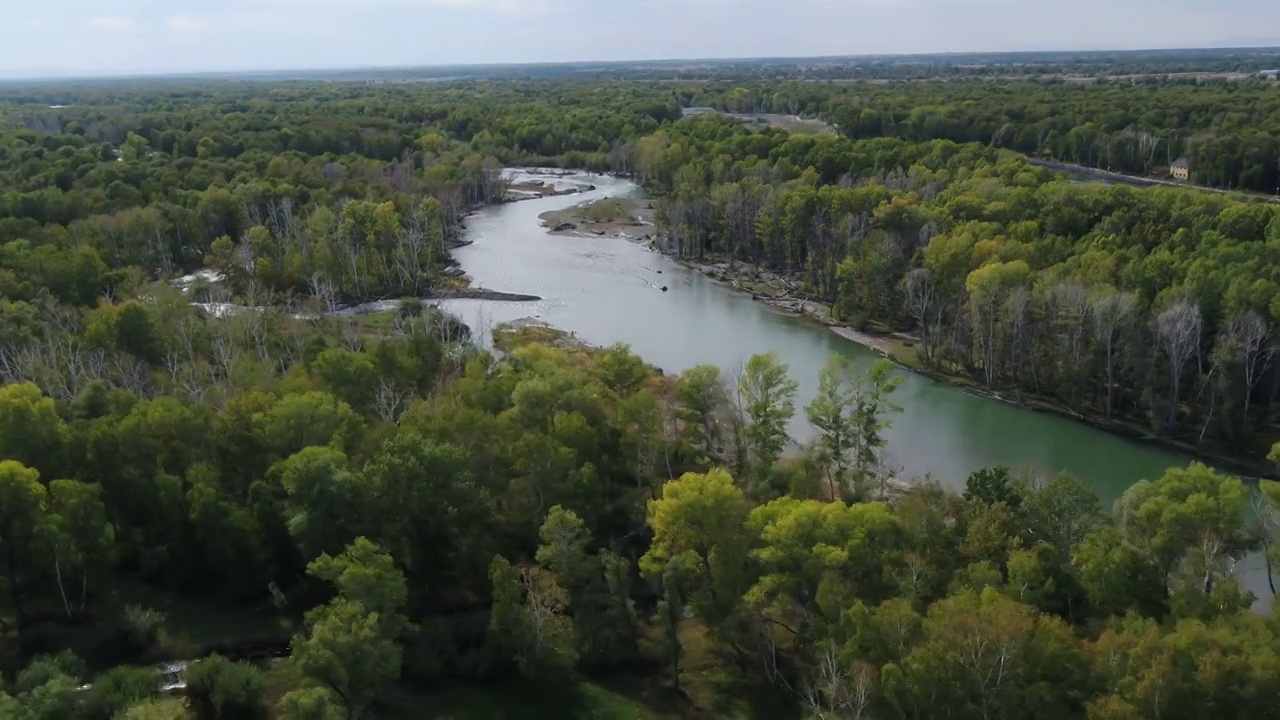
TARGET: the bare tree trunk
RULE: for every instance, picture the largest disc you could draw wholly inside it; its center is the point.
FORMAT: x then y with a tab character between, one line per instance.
57	569
1178	329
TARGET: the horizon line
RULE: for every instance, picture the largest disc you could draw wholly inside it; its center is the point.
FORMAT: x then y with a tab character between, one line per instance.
82	74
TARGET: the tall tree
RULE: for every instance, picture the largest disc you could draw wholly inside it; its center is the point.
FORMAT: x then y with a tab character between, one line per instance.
1190	524
351	646
30	430
1111	316
23	524
701	397
700	520
1178	330
849	413
82	538
529	624
768	400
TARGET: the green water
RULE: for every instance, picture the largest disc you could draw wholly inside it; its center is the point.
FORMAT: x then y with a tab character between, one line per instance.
608	290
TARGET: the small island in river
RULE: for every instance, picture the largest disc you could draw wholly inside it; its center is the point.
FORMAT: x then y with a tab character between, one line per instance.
630	218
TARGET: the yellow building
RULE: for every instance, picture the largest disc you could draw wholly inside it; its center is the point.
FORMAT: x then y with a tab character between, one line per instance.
1180	169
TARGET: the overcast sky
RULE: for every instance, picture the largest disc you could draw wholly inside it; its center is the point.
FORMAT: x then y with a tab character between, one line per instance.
124	36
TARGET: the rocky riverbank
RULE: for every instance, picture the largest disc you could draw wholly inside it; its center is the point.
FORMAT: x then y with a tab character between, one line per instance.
537	189
783	294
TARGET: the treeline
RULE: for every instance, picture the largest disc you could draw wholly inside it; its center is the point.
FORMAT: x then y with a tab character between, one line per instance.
533	516
1228	130
338	192
1155	306
325	205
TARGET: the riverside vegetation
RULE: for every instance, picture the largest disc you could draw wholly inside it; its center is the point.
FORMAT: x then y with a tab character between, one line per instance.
1155	307
423	528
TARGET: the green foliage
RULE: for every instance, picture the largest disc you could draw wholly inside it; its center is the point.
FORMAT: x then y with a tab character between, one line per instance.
348	653
81	536
1077	293
829	552
701	397
670	615
768	402
118	689
849	413
433	517
22	524
700	523
986	655
309	704
1189	523
365	575
1223	669
528	624
142	625
326	501
373	474
351	649
30	430
598	588
220	688
48	688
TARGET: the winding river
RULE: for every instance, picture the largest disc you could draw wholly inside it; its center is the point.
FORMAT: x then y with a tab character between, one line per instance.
608	290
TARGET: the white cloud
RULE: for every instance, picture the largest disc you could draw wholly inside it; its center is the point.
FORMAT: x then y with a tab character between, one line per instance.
111	23
187	23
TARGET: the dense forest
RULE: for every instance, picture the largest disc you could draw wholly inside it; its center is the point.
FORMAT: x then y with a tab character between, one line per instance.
1156	306
341	516
1226	129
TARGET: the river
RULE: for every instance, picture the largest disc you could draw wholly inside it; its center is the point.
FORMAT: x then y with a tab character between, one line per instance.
608	290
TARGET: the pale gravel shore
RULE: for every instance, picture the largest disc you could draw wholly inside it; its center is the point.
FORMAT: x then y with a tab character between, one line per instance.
820	312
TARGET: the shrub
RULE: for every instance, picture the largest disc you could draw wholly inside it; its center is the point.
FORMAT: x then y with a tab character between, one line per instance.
220	688
309	704
142	626
49	668
410	308
47	687
118	689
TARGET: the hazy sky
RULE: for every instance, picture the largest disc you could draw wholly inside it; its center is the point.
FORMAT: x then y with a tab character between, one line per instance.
114	36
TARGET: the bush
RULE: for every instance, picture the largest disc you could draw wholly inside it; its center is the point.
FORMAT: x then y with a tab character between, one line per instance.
220	688
142	626
49	668
47	687
309	704
118	689
410	308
